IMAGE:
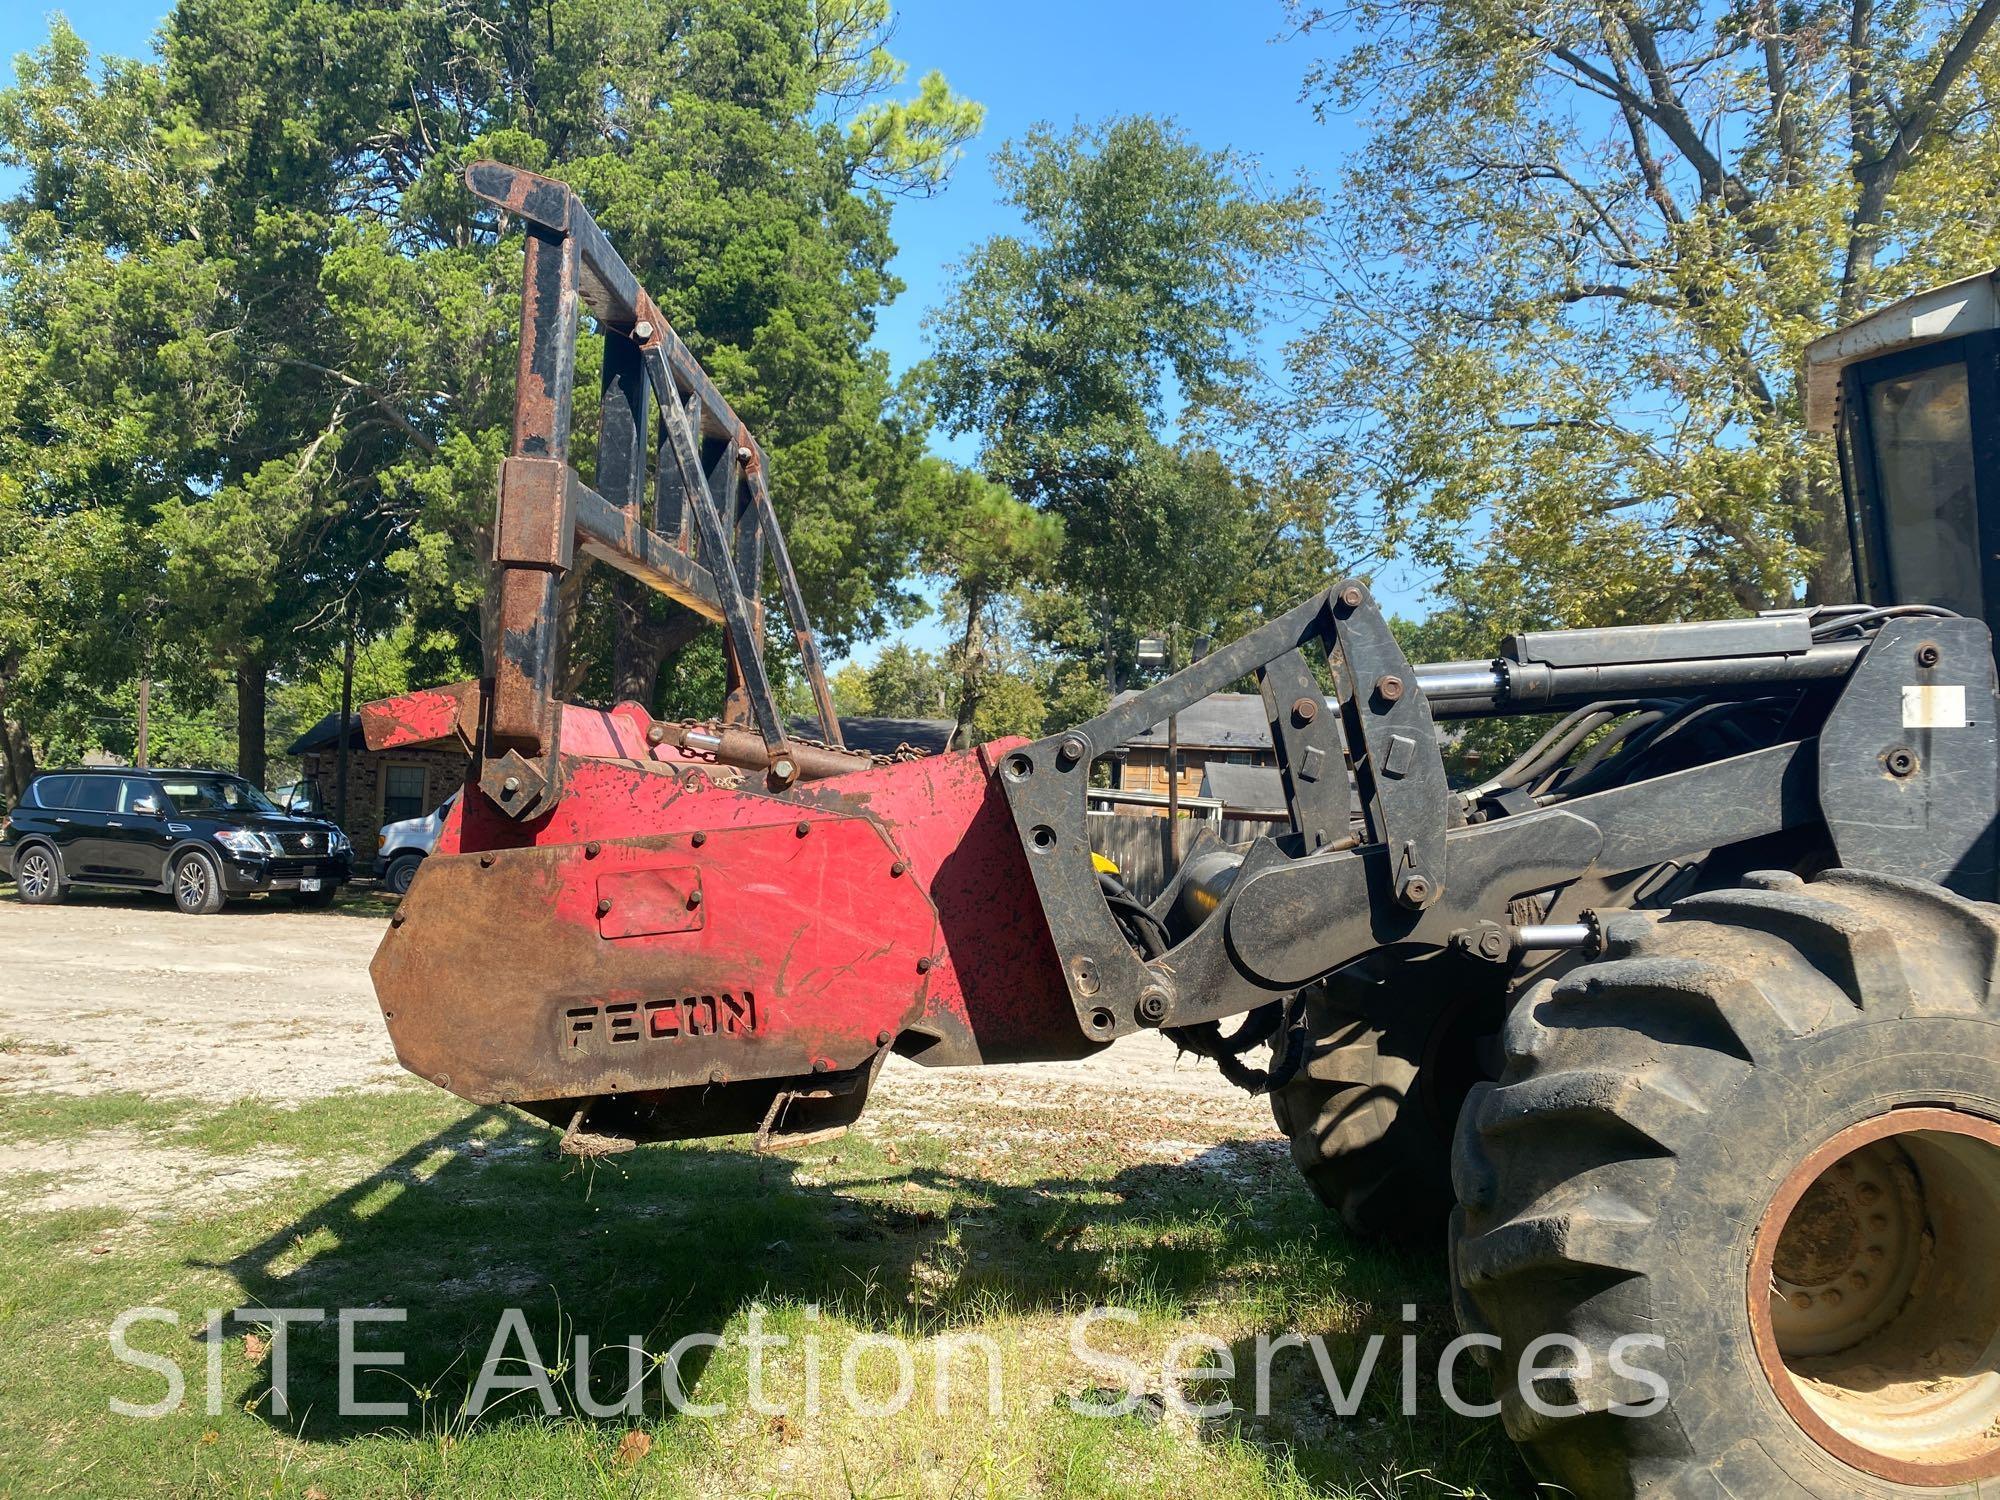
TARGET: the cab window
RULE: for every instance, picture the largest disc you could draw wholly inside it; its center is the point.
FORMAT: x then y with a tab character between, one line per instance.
1921	426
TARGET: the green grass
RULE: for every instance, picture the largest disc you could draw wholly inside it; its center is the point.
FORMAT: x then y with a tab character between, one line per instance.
415	1200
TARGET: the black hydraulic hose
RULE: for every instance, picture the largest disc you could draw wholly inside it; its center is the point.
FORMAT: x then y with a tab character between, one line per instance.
1523	764
1620	733
1841	624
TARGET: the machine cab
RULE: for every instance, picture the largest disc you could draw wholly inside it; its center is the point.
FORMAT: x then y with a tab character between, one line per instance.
1912	394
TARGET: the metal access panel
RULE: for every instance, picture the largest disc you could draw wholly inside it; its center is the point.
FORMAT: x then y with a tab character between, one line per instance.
1909	759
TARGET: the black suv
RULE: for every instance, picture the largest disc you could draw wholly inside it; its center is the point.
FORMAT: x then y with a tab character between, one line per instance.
198	836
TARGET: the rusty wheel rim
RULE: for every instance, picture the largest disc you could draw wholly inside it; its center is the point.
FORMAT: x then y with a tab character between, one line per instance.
1874	1303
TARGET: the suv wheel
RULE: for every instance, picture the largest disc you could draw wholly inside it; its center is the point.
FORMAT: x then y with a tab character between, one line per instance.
197	885
402	870
37	878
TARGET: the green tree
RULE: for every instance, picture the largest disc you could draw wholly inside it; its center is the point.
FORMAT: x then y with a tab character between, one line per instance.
1564	288
984	544
1126	308
263	329
908	682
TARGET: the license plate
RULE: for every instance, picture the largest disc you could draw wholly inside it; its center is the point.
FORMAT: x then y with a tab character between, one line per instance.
308	885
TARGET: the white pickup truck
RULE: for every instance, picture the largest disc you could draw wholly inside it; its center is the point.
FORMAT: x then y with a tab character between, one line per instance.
404	845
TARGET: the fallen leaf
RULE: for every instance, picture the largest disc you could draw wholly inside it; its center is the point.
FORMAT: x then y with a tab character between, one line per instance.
314	1492
210	1436
632	1447
100	1249
253	1347
782	1429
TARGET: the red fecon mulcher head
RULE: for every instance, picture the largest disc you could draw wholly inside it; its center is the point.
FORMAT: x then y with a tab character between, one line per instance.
1708	978
645	930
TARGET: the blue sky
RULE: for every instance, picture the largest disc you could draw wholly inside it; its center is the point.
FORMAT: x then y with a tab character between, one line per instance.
1221	71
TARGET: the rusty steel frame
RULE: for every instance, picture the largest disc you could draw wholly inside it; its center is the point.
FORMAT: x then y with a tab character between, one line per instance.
713	524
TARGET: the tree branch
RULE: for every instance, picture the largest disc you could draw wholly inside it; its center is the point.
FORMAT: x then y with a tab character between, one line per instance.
379	397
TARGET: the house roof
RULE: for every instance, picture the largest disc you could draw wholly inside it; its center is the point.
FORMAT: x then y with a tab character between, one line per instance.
1244	788
325	735
1221	721
884	736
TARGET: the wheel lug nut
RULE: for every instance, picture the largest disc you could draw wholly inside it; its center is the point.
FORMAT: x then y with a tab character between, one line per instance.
1802	1300
1876	1254
1859	1281
1832	1295
1878	1221
1868	1192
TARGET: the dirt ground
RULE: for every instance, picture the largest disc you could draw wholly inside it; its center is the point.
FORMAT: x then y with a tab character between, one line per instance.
115	992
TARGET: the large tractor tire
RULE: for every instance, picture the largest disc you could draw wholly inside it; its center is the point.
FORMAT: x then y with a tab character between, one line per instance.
1764	1131
1371	1112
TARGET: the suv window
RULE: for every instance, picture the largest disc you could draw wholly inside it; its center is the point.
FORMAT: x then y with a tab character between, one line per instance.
95	794
133	790
49	791
215	792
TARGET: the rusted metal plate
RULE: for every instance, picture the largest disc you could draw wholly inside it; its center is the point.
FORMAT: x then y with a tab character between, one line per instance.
415	718
646	903
498	983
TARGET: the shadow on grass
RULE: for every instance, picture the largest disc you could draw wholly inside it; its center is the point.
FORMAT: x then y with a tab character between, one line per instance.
668	1241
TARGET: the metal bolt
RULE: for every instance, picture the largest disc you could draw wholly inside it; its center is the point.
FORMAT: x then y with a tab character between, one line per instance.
803	829
656	734
694	899
399	919
698	839
604	906
743	455
1901	761
821	1065
642	330
1153	1005
1305	710
1928	654
1389	687
1416	890
924	965
1493	944
785	769
716	1075
900	867
1086	976
592	849
485	861
1072	750
510	786
1351	596
883	1038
